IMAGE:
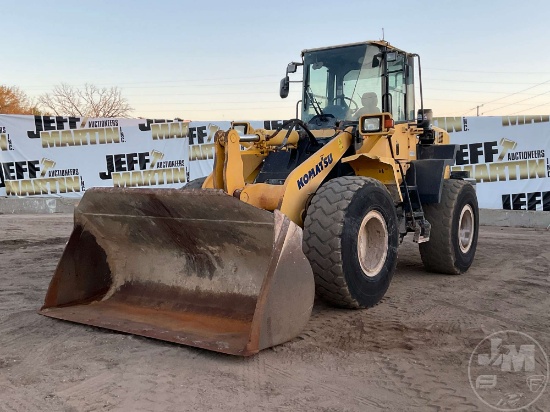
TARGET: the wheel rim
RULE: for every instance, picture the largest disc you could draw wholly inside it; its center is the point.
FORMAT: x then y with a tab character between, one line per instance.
372	243
466	228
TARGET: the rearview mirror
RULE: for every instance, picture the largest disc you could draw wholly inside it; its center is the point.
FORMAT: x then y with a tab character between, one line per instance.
317	65
285	87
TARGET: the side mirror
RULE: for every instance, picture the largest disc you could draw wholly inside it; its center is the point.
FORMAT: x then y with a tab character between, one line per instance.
285	87
291	68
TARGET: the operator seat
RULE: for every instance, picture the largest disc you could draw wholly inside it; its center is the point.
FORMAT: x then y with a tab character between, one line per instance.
369	100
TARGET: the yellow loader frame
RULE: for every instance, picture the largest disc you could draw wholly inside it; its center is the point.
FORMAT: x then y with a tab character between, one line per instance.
384	155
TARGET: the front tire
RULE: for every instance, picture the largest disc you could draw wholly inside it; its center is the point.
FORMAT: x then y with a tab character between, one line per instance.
195	183
455	227
351	239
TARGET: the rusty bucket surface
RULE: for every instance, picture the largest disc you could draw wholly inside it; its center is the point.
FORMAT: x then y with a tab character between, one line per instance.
196	267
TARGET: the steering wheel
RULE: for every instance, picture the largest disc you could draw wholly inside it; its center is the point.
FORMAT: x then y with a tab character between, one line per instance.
352	106
322	121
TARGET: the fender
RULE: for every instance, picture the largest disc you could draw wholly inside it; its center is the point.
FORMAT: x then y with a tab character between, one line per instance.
384	169
306	179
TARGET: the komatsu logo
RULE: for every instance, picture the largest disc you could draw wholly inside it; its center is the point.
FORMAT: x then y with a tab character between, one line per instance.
314	171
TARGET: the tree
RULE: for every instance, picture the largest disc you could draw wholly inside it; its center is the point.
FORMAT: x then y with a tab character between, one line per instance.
92	101
14	101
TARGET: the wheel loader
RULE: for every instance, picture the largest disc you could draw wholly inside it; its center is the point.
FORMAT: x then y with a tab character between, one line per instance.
233	261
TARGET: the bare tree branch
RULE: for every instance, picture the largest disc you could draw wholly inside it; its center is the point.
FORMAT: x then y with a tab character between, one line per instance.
91	101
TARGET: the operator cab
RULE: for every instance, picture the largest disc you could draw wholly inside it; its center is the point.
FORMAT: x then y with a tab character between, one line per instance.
342	83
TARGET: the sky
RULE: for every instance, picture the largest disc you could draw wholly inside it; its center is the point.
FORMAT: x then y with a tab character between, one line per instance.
219	60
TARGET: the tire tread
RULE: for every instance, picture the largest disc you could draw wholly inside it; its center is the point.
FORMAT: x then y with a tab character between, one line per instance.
437	254
321	239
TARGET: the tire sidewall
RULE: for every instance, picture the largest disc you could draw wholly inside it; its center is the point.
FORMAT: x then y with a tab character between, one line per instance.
195	183
364	288
466	196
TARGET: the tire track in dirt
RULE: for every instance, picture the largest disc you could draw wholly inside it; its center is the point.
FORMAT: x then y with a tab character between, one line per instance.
388	331
152	385
12	244
335	391
21	327
409	372
15	401
253	379
93	393
26	277
506	322
338	334
427	390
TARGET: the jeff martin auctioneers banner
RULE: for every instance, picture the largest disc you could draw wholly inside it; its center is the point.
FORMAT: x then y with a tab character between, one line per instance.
63	156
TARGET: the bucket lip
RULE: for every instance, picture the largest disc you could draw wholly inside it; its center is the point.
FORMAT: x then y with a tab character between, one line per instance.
230	344
203	204
107	189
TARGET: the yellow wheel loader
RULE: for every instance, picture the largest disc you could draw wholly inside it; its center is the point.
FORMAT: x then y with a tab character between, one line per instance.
232	262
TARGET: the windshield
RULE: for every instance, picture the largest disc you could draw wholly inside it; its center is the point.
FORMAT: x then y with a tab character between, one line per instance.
342	82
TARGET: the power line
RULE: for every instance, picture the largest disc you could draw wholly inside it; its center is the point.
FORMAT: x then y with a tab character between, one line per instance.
211	103
483	71
514	103
530	108
508	95
463	91
165	81
204	79
224	109
478	82
201	94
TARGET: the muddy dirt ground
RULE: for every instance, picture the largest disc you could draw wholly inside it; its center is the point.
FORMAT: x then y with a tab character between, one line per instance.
409	353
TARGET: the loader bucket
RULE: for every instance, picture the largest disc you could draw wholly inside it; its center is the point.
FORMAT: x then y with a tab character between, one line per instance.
195	267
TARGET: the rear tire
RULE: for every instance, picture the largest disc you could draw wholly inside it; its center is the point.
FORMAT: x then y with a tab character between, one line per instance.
350	239
195	183
455	227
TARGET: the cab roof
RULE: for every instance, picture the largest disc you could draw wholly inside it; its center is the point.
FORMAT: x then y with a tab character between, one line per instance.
382	43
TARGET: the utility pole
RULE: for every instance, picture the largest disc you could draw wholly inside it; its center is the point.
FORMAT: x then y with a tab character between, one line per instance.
478	109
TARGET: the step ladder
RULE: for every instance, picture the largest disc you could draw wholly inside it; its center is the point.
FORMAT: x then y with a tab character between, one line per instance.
414	215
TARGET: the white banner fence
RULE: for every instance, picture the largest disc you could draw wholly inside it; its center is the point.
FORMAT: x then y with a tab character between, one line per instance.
52	156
